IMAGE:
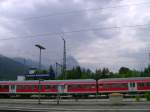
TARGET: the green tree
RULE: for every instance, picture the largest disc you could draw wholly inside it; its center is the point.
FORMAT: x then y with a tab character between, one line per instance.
105	73
79	73
126	72
51	72
86	74
98	74
146	72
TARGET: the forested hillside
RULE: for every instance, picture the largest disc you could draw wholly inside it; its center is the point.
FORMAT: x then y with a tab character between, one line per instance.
9	69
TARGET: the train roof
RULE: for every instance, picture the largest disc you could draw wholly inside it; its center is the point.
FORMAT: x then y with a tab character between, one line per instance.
78	81
131	78
52	82
124	80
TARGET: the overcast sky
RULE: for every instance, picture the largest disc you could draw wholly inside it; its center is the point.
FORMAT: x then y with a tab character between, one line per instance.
102	45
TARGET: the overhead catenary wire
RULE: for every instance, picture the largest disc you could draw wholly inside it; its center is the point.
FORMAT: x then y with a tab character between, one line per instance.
77	31
84	10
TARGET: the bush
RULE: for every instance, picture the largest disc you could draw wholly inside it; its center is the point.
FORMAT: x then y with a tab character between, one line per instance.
147	96
137	97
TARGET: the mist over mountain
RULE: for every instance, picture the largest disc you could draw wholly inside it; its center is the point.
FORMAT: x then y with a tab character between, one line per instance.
9	69
71	62
28	62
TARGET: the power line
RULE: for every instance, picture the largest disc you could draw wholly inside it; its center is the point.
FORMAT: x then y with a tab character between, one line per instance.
83	10
77	31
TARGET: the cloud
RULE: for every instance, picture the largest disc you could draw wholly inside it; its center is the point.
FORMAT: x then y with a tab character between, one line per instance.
112	48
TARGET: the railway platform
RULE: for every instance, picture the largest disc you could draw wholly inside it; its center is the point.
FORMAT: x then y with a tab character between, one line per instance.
88	105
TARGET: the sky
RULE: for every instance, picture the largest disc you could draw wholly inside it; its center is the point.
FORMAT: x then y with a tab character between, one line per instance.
98	33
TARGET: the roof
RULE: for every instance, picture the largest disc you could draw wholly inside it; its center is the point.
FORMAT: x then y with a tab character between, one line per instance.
37	75
85	81
52	82
131	78
125	80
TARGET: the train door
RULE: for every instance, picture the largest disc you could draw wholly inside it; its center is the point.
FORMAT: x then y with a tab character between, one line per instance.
132	86
60	88
12	89
65	88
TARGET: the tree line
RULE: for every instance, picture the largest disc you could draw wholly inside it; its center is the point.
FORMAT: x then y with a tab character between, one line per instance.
101	73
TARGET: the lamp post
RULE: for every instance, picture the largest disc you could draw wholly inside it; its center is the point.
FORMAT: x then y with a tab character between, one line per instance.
41	48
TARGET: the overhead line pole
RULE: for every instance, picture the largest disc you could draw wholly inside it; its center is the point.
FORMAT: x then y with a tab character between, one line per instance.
57	64
149	59
64	58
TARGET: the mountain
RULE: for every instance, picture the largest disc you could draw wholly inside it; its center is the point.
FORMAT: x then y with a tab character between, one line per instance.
28	62
9	69
71	62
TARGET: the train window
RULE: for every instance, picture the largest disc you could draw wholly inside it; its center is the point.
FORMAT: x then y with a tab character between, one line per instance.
19	87
80	86
93	86
12	87
52	86
74	86
100	86
107	85
119	85
4	86
39	87
132	84
114	85
29	87
26	87
48	86
33	87
148	83
141	84
86	86
69	87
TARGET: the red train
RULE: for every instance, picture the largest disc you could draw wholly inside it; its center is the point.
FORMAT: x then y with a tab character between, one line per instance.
104	86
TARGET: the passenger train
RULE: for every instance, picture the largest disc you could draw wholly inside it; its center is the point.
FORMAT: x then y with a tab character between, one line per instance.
70	87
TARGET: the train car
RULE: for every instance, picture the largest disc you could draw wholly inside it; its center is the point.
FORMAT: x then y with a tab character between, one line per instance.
88	86
124	85
46	87
28	87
